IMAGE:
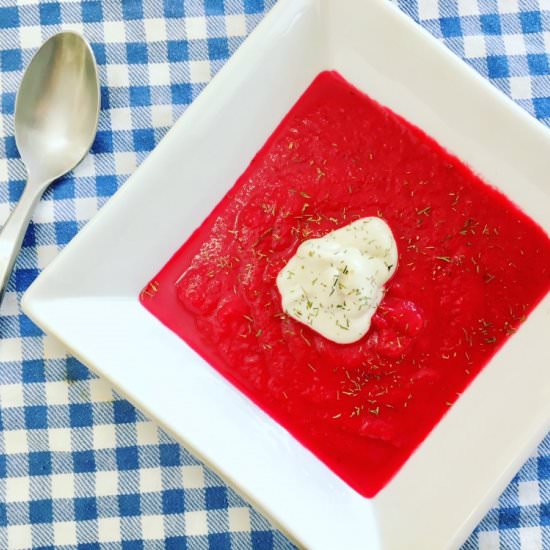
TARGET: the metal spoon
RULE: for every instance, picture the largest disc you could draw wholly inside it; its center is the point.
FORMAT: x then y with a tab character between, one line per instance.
56	115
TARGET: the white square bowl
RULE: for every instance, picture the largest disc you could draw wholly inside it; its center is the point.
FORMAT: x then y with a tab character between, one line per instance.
88	297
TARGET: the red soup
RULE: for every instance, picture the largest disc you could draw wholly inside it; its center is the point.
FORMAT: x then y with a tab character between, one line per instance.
471	267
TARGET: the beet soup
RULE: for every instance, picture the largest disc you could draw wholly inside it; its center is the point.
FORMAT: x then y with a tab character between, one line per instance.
471	267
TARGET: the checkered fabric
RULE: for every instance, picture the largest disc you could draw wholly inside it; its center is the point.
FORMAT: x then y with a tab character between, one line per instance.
80	467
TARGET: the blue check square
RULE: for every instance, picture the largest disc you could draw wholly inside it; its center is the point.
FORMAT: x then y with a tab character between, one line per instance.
10	60
65	231
508	518
218	48
132	9
33	371
181	94
106	185
83	461
81	415
542	107
105	98
15	188
173	8
173	501
497	66
24	278
41	511
175	543
140	96
169	454
261	540
490	23
100	53
219	541
40	463
50	13
530	21
64	189
214	7
85	508
136	53
3	464
254	6
129	505
29	239
7	103
103	143
215	498
9	17
543	467
177	50
11	147
28	328
144	139
76	370
92	11
538	64
450	27
127	458
36	417
124	412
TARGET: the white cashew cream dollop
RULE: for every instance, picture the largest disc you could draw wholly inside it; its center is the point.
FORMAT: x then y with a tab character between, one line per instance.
335	283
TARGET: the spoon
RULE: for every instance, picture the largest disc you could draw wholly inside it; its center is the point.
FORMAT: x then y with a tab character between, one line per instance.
56	115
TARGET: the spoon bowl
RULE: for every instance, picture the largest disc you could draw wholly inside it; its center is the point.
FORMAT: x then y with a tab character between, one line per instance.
56	116
57	107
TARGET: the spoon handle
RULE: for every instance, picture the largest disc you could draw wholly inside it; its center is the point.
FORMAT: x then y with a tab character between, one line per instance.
14	230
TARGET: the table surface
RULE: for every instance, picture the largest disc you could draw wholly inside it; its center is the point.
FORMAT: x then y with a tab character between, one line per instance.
79	466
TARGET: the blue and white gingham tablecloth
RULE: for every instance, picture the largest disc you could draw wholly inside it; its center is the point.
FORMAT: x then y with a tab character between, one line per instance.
80	467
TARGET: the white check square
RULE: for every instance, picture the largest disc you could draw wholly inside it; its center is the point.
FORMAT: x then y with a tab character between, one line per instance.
64	533
108	529
30	36
195	523
239	519
17	489
63	485
19	537
11	395
150	480
155	30
195	28
193	477
15	441
106	483
60	440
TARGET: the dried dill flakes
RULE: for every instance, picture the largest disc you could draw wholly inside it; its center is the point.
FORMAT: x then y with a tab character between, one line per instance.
424	211
150	290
